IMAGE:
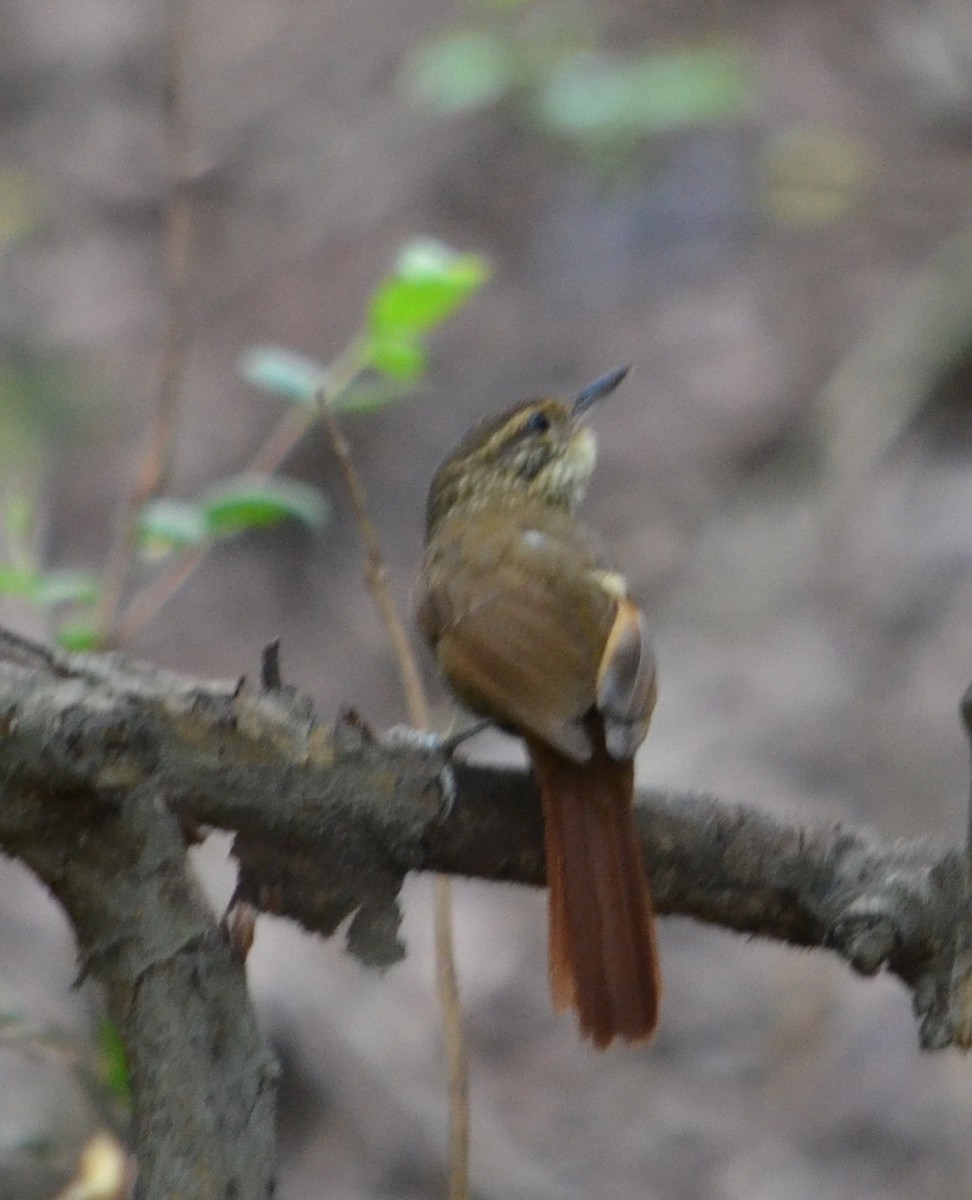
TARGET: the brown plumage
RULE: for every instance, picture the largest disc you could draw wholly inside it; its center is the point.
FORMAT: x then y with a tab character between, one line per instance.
603	959
530	630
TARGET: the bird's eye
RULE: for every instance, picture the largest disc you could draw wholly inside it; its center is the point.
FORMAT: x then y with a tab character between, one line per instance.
537	422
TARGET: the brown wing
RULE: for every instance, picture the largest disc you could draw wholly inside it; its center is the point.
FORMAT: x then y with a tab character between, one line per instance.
519	619
626	684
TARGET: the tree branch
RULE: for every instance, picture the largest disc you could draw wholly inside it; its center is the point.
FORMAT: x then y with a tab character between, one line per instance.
328	820
90	821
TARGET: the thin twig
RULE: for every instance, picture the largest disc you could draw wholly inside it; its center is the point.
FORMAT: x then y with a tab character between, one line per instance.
457	1064
154	468
965	712
376	572
417	707
270	677
961	980
147	602
281	439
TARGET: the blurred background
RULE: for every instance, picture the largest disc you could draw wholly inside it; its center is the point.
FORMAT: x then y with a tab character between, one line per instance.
767	208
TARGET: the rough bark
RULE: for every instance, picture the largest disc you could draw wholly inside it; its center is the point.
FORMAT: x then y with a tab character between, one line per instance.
106	763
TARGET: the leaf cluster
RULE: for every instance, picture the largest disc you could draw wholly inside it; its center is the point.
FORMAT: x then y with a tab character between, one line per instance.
427	284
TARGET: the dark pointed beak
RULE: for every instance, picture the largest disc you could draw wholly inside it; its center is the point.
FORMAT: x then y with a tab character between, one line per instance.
597	390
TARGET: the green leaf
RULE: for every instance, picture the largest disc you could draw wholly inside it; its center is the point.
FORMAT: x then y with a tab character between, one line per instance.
19	518
429	283
255	502
400	358
60	587
48	588
461	72
595	96
815	175
17	581
114	1061
370	396
282	372
78	635
167	524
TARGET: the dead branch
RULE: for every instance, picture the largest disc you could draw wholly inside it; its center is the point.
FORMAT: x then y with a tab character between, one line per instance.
101	755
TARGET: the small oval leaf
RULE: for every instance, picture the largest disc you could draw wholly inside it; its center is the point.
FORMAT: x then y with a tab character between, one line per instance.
78	635
61	587
283	372
255	502
462	71
167	524
601	97
429	283
17	581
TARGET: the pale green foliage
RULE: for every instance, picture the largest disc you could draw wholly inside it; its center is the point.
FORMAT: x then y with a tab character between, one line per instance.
556	75
428	283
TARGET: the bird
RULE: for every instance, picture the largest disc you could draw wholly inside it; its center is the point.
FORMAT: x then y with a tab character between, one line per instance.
533	631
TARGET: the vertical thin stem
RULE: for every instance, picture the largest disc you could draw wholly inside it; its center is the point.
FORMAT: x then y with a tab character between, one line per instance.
960	983
966	712
417	707
153	470
376	574
457	1065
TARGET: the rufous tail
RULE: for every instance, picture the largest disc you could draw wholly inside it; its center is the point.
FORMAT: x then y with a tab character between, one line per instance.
603	955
